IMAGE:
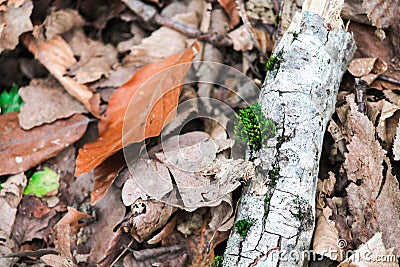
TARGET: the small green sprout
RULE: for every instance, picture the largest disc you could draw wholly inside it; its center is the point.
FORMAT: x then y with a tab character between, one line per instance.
217	262
274	175
10	101
267	199
253	128
243	226
42	183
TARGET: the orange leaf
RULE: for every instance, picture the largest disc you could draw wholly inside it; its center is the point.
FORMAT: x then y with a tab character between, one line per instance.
138	109
56	55
230	8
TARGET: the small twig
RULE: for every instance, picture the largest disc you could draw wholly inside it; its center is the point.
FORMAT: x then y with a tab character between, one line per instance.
176	25
389	79
361	87
215	39
122	253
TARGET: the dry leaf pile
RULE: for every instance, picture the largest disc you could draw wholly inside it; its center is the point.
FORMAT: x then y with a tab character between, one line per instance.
103	78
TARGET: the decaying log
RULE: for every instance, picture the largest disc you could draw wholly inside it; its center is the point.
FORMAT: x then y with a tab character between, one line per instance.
299	94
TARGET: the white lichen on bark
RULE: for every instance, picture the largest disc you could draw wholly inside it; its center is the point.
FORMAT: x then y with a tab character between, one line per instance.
300	96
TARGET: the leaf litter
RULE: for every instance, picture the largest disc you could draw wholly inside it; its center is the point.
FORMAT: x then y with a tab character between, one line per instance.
103	47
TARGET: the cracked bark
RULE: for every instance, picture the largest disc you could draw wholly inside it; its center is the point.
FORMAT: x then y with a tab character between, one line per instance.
300	96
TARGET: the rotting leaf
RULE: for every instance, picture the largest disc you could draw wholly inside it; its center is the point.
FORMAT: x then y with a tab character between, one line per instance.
374	204
136	114
42	182
14	20
56	55
21	150
231	9
46	101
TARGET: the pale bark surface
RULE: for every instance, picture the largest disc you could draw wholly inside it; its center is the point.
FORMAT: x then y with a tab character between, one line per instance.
300	97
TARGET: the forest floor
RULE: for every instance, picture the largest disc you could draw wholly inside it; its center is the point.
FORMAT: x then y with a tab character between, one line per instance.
94	95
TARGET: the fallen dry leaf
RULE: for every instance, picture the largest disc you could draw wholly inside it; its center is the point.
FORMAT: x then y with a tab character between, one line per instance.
374	204
26	227
241	39
14	20
72	219
367	69
58	22
46	101
146	217
231	10
21	150
388	120
162	43
104	175
201	179
371	254
326	236
166	87
10	196
109	212
95	58
56	55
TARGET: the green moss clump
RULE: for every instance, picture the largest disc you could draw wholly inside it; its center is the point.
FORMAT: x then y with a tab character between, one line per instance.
243	226
217	262
253	128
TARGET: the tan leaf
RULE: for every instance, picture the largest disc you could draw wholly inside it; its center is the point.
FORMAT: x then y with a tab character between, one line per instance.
21	150
241	38
146	217
57	23
367	68
46	101
326	236
56	55
14	21
375	203
95	58
387	123
162	43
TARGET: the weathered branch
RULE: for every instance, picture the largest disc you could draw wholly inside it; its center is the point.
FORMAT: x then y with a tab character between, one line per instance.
299	94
